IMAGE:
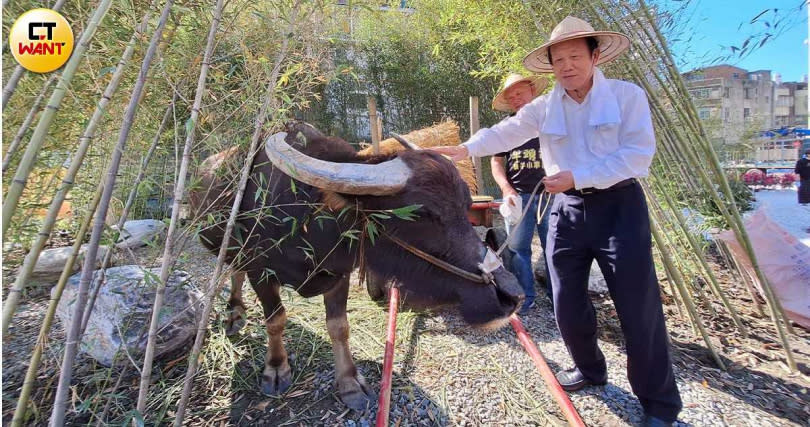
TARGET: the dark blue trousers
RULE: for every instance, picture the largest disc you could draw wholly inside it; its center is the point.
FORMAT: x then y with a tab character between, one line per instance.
612	227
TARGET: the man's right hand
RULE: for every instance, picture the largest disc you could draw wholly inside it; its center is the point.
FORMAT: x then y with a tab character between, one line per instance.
509	192
455	152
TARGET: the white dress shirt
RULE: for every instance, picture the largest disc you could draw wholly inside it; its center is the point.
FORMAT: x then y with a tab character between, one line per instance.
603	140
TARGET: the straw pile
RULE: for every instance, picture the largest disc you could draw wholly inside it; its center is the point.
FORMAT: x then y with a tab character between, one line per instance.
444	133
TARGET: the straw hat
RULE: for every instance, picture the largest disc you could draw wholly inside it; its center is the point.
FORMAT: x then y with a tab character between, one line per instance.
499	102
611	43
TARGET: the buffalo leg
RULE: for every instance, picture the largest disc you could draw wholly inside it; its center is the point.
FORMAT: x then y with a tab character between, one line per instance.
236	307
277	375
351	385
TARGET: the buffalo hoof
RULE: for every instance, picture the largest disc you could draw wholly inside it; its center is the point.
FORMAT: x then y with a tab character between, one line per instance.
236	320
355	394
276	381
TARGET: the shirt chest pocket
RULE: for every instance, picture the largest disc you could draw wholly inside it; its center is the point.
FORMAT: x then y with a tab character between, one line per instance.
602	140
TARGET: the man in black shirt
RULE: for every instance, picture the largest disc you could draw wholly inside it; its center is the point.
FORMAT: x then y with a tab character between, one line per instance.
517	172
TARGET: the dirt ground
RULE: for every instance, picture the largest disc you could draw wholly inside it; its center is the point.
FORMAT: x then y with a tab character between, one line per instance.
444	372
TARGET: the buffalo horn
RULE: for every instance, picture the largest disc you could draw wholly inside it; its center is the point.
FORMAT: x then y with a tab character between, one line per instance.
405	143
348	178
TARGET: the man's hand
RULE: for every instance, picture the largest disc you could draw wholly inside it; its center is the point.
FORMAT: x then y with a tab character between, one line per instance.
559	182
455	152
509	191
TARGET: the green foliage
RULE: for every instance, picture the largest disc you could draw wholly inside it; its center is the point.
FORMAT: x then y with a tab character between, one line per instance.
711	213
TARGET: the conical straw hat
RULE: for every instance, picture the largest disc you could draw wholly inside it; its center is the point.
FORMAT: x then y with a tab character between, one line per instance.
611	43
499	102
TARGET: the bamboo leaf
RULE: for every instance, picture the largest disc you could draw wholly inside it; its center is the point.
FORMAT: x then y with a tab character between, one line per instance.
406	212
759	15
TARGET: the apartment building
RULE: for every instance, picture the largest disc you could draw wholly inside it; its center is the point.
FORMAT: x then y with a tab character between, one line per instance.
738	105
732	100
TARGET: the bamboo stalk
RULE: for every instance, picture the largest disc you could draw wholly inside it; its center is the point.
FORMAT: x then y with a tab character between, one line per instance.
676	276
125	212
179	192
17	185
47	322
732	214
741	275
664	220
777	312
213	286
670	276
71	344
32	113
68	181
701	256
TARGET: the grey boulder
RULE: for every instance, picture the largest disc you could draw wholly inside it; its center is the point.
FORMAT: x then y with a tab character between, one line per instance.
123	308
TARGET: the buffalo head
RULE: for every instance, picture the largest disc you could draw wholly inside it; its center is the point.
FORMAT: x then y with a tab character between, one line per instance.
440	228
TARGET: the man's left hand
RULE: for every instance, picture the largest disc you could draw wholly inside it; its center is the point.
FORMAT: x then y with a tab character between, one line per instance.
559	182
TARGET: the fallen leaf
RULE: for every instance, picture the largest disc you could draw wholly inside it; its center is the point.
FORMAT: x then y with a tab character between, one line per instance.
261	406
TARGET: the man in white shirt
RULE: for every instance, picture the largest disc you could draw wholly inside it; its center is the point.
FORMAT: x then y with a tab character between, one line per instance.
596	137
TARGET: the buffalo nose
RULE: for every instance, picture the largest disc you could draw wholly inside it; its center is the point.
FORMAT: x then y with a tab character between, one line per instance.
508	299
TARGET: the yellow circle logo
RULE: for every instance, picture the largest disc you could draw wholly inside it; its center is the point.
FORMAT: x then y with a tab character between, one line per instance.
41	40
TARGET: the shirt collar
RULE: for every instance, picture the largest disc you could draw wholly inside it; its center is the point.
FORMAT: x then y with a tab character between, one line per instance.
603	107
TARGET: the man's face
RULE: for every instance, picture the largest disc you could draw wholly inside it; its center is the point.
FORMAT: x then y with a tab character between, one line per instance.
573	63
519	95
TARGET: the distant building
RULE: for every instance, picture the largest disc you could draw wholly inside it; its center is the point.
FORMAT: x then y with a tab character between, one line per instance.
733	99
790	108
738	105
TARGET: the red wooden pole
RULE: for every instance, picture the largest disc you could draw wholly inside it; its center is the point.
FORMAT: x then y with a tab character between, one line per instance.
551	381
384	402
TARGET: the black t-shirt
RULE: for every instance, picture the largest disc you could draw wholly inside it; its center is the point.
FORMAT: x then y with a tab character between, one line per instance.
524	167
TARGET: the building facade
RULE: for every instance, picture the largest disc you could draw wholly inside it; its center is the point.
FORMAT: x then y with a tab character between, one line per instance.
737	105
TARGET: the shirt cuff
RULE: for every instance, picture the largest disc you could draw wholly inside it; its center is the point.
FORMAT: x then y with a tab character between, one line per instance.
582	178
476	144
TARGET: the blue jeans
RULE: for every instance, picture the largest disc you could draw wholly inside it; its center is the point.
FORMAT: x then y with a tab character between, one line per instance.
521	245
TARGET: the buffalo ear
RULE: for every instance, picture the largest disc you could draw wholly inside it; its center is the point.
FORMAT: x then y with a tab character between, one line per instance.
333	201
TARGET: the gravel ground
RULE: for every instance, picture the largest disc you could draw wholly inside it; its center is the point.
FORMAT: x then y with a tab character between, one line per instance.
444	372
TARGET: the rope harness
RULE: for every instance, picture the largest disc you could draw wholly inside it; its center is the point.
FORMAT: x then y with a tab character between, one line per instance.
490	262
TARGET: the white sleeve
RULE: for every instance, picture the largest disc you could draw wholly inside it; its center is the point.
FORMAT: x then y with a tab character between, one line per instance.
637	146
510	133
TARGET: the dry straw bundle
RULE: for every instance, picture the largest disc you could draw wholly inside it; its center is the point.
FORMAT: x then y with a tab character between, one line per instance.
444	133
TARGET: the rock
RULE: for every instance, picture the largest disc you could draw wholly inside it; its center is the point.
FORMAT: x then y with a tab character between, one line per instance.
123	311
51	261
140	232
596	281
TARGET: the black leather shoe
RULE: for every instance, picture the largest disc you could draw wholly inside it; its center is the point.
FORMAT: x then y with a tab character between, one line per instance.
573	380
651	421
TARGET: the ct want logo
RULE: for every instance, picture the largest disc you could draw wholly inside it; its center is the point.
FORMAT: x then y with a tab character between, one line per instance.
41	40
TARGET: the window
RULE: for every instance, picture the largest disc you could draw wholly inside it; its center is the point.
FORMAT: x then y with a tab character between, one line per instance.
702	93
726	112
746	113
747	93
704	113
726	92
736	75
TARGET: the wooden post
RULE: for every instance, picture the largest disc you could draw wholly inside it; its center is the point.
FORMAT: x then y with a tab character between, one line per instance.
376	146
373	124
474	125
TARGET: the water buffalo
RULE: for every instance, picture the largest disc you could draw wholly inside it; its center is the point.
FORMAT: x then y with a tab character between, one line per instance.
304	223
